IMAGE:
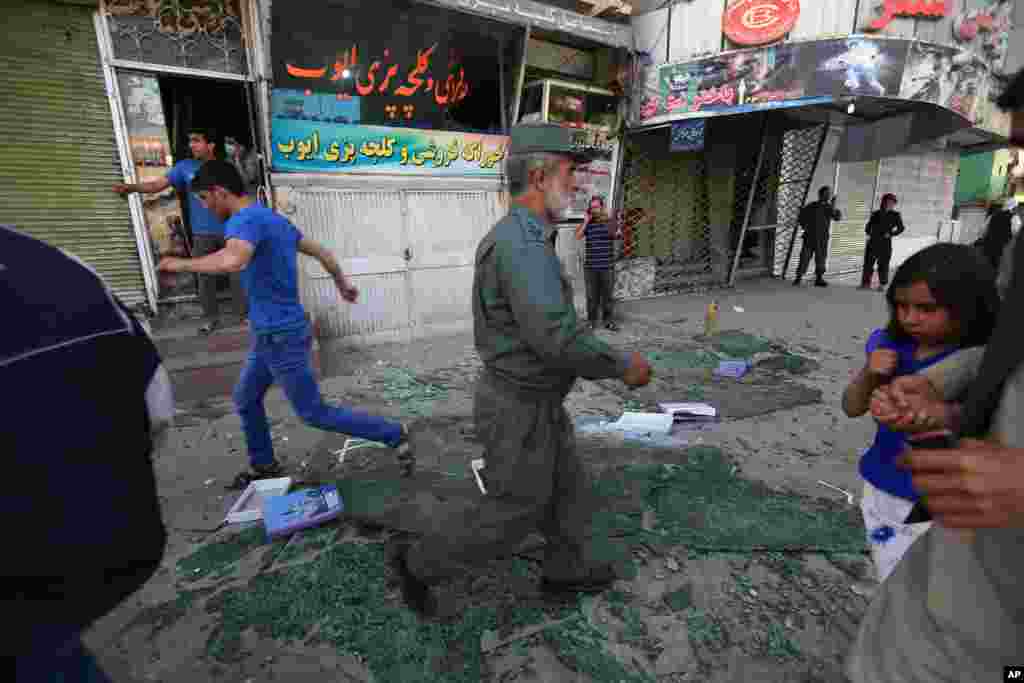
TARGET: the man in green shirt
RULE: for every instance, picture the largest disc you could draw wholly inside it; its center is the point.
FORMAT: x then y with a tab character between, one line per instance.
533	349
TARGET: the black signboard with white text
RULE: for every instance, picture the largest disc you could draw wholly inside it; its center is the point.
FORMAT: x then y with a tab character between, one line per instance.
406	64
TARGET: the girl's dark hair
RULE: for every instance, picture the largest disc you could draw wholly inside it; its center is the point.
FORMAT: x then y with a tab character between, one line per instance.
960	280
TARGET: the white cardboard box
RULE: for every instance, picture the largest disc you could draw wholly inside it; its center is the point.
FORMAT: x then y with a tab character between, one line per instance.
249	506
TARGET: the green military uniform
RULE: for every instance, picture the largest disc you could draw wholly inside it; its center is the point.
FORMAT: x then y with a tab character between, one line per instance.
533	348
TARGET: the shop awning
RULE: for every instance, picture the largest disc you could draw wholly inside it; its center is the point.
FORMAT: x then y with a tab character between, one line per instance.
889	94
874	128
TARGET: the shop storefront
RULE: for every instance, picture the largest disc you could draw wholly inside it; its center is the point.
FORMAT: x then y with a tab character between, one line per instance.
57	149
389	138
170	68
723	150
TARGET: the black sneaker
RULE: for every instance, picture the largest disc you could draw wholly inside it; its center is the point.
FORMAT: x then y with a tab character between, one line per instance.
820	283
416	593
611	326
797	283
596	579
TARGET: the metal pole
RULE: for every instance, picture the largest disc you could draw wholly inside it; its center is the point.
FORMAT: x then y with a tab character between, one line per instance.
835	197
259	69
750	202
143	240
501	83
807	188
522	77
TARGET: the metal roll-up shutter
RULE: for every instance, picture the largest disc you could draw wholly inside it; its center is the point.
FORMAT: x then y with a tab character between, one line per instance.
856	191
58	156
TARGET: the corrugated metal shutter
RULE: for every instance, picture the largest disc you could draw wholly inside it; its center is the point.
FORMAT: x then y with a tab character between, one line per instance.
856	190
58	157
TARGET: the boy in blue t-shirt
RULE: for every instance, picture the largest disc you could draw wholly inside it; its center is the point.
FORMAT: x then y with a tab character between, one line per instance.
263	246
207	229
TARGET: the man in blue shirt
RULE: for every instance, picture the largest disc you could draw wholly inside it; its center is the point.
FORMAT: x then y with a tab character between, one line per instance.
207	229
263	246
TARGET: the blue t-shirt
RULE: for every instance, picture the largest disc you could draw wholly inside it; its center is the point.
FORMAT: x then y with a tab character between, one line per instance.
878	464
271	278
203	220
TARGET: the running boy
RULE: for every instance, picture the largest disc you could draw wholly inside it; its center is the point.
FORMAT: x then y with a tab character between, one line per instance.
263	245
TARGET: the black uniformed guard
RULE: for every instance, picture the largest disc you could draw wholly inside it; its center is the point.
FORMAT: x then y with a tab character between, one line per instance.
533	349
884	224
815	219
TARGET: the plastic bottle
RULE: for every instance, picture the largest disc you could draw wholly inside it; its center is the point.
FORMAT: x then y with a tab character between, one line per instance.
711	320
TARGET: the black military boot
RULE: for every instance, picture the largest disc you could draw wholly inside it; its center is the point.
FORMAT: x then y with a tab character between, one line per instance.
594	580
416	593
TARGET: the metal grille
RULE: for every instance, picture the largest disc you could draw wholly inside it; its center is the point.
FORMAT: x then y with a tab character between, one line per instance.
856	188
667	228
801	149
764	179
684	213
57	148
178	38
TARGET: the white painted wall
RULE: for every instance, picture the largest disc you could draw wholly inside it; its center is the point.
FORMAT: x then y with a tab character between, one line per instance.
696	28
818	19
925	187
368	224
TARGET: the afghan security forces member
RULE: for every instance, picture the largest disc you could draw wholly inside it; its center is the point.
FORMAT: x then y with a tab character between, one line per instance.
533	349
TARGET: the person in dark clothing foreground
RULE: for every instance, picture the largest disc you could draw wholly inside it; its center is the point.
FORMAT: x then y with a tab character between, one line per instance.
815	219
88	395
884	224
533	349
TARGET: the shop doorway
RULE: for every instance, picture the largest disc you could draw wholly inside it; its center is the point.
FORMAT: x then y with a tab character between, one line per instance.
160	112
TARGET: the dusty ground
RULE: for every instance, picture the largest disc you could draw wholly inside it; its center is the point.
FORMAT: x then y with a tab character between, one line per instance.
685	616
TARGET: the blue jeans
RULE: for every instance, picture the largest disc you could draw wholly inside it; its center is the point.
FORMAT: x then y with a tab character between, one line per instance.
283	357
69	663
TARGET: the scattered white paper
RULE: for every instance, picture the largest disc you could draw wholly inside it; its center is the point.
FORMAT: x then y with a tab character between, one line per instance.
699	409
644	423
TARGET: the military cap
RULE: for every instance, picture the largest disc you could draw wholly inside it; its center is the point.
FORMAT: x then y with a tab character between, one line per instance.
549	138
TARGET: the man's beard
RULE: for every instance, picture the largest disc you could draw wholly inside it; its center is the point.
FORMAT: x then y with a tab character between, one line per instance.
556	200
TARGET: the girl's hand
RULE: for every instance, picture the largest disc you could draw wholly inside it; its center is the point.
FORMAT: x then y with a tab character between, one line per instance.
882	362
909	404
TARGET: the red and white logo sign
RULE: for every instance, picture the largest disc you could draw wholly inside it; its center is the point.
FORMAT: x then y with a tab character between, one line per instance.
758	22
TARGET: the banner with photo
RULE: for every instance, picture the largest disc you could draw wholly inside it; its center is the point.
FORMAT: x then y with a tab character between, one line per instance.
316	147
949	77
777	76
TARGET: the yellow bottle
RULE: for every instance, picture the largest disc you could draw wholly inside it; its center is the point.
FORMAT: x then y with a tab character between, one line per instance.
711	320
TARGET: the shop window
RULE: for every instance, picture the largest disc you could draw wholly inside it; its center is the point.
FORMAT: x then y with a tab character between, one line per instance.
580	109
425	67
207	36
530	109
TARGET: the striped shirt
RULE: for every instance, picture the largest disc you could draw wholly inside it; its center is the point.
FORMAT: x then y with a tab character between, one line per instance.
600	247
